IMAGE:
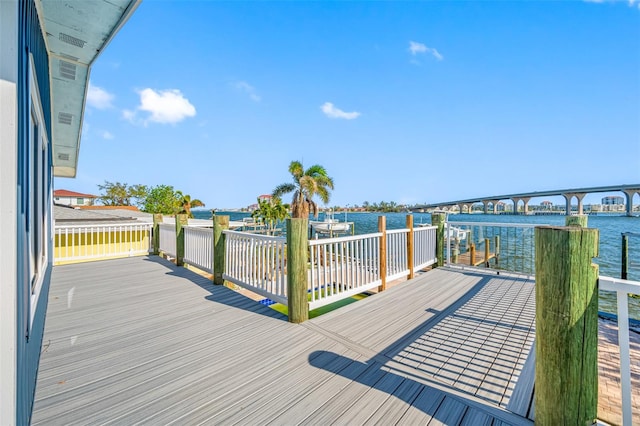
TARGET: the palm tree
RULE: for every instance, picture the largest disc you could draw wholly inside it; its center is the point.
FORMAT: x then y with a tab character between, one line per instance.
186	203
306	184
271	212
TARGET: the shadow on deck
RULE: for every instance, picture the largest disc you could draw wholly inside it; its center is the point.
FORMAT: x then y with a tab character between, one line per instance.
141	340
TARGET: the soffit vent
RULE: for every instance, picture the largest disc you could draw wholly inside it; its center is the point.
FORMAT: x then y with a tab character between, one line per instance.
68	70
73	58
65	118
72	40
64	157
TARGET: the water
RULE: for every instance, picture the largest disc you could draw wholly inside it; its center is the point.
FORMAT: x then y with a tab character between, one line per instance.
609	259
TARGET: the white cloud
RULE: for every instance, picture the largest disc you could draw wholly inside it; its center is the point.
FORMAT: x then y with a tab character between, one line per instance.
332	112
107	135
164	106
99	98
248	89
416	48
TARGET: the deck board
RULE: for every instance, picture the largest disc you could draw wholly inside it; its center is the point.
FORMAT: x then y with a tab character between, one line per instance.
140	340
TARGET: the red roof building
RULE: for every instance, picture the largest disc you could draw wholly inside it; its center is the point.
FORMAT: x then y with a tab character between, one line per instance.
71	198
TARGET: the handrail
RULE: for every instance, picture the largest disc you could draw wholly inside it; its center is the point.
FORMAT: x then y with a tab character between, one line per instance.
622	288
342	239
254	236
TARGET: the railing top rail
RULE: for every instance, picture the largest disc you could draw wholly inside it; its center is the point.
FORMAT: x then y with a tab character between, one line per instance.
397	231
199	229
253	236
103	225
198	225
502	225
632	234
167	225
618	284
343	239
425	228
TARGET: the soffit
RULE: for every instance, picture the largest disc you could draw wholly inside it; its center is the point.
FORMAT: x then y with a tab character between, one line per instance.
76	31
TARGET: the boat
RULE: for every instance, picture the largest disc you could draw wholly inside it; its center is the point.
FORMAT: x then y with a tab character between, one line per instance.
330	225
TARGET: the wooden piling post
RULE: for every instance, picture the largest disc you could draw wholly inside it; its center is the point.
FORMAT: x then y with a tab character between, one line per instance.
220	223
157	220
410	243
182	220
576	220
472	254
382	227
455	251
438	219
625	257
566	372
486	252
497	249
297	249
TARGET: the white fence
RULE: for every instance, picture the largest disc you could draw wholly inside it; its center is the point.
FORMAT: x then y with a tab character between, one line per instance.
80	243
338	267
424	247
168	239
257	263
342	267
397	263
622	288
198	247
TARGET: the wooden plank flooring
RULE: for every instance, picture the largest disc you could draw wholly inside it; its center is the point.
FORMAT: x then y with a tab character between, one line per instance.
140	340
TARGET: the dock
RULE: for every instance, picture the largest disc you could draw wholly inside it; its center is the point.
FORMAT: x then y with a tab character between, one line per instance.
141	340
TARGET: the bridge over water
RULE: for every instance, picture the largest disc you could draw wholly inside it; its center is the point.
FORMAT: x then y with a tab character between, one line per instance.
569	194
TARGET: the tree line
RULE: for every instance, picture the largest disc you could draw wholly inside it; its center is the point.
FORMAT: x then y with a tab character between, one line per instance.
151	199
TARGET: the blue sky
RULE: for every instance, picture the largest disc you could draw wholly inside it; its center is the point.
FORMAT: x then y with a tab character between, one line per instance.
410	102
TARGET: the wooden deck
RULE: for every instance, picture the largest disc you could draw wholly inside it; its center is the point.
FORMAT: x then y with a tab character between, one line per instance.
140	340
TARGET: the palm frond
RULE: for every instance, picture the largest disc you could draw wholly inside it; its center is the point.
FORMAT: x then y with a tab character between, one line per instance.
315	171
296	170
323	193
282	189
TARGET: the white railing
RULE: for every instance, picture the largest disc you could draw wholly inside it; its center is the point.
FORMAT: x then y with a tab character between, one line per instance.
342	267
424	247
507	246
198	247
257	263
168	239
622	289
78	243
397	263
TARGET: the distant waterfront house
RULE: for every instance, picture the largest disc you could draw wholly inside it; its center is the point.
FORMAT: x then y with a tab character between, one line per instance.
47	50
71	198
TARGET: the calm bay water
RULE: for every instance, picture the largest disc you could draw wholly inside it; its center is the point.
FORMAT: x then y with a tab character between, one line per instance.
609	259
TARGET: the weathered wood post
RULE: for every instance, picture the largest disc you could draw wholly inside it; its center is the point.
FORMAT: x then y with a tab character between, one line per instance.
410	243
220	223
497	250
182	220
576	220
157	220
487	252
625	257
438	219
472	255
566	374
297	249
382	254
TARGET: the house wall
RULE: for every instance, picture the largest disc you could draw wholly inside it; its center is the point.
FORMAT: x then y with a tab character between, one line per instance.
23	300
73	201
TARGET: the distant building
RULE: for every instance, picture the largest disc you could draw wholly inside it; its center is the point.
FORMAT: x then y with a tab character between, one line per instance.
546	205
615	200
70	198
265	197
